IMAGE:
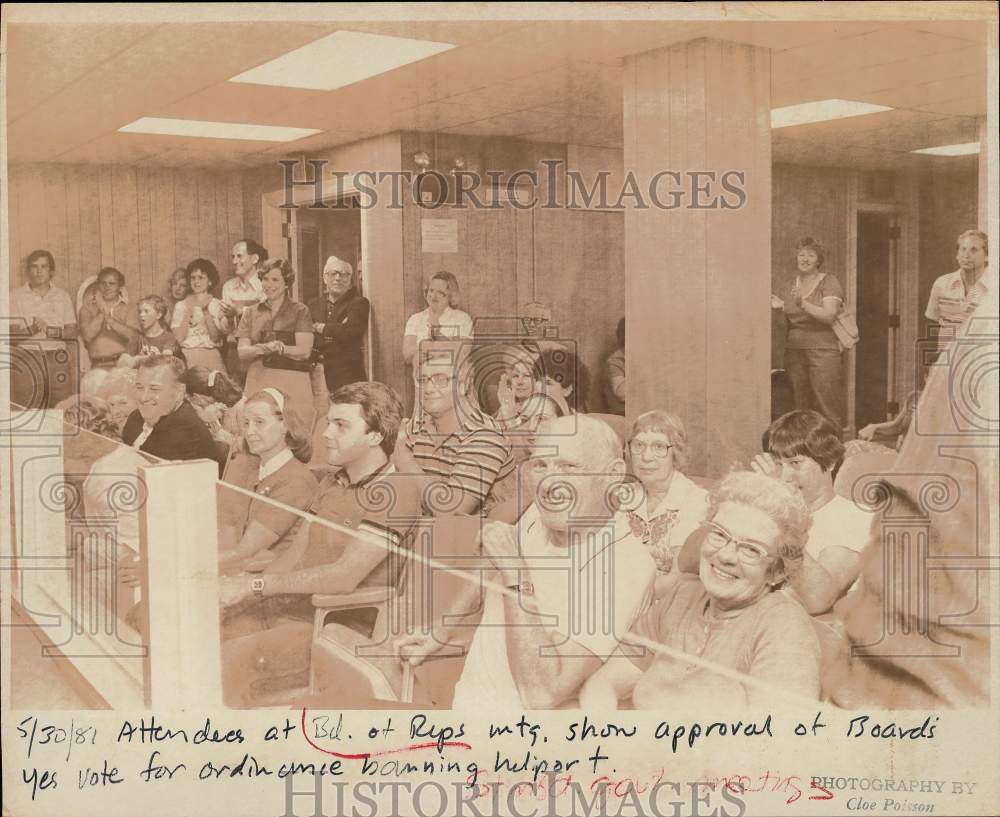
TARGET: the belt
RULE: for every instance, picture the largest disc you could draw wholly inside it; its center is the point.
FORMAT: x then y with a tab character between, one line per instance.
97	361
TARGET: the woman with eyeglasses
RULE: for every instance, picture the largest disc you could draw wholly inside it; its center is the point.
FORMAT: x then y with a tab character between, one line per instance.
803	449
670	506
730	614
340	323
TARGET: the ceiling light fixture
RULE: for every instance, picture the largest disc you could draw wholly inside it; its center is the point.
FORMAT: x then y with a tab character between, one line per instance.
216	130
340	59
962	149
822	110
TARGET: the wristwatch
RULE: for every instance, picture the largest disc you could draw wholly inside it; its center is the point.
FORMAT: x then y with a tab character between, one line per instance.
257	586
524	588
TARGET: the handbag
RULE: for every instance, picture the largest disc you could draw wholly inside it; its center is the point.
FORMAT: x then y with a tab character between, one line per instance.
276	361
845	327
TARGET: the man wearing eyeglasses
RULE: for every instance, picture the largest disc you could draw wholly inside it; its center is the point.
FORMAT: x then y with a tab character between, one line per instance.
452	442
568	580
340	321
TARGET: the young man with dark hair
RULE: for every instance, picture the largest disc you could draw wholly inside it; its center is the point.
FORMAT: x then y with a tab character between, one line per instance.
364	420
47	321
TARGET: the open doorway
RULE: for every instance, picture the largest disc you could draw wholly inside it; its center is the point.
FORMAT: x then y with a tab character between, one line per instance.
878	318
320	233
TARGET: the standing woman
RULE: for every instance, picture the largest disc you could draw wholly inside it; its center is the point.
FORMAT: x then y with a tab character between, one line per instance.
275	338
107	324
340	321
812	352
198	322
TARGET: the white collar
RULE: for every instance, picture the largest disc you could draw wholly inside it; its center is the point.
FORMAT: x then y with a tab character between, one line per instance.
673	500
273	464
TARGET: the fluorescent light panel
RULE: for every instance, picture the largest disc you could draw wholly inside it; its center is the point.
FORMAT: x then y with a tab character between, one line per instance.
821	111
963	149
340	59
216	130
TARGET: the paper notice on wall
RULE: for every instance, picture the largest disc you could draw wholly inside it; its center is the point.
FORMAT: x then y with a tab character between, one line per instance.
439	235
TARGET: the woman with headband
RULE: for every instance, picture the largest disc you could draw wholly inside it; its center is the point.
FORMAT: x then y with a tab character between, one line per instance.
278	446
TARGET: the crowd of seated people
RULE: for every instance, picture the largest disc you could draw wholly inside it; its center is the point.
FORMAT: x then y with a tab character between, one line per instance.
743	588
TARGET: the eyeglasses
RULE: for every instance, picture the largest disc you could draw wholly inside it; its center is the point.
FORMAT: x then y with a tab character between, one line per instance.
337	274
438	381
747	551
541	465
659	450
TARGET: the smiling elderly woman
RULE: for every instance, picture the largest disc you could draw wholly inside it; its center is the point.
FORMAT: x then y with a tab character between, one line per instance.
730	614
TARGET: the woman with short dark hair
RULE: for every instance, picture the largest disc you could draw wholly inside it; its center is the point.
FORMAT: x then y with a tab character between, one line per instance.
803	449
199	323
275	338
812	352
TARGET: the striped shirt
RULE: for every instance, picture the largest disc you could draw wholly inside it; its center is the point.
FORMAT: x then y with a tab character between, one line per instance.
950	303
472	460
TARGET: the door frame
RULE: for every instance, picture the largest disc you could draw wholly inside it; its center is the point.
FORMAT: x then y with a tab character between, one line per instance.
282	224
904	283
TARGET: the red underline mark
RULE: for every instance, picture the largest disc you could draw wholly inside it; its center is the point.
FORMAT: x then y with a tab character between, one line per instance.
455	744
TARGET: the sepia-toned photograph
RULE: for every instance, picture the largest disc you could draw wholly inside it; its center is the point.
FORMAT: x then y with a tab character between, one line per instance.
474	361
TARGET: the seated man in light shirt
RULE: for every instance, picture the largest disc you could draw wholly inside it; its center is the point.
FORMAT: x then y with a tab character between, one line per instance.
560	631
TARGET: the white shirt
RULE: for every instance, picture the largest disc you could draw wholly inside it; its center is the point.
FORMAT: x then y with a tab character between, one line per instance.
273	464
609	583
839	523
453	323
197	336
240	293
950	304
54	307
143	435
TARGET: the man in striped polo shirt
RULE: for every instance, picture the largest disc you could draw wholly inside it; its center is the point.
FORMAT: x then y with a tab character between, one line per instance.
955	295
452	442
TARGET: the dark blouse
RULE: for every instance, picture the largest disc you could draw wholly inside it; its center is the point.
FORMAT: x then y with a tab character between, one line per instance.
345	324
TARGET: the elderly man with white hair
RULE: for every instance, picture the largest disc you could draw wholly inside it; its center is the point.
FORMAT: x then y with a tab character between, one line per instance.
340	321
567	583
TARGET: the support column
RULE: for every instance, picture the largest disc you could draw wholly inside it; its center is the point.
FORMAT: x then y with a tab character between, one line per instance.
698	279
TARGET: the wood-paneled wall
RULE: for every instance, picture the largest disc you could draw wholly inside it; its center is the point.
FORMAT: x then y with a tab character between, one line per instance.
571	260
806	201
144	221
